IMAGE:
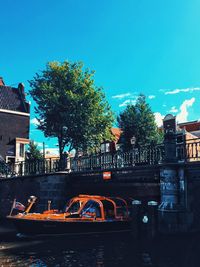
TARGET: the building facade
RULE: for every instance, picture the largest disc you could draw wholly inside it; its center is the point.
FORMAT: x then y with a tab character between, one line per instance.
187	140
14	122
112	146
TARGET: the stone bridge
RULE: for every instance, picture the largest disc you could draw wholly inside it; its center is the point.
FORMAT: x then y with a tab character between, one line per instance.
140	182
168	173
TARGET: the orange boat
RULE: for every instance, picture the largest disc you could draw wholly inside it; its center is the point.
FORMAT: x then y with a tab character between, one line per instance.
83	214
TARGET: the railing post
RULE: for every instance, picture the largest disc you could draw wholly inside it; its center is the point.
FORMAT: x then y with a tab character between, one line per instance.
50	165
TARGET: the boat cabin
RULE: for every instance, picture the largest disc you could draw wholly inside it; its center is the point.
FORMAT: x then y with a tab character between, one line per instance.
83	208
106	208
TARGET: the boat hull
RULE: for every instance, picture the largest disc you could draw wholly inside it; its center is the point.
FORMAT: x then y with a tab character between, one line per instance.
41	227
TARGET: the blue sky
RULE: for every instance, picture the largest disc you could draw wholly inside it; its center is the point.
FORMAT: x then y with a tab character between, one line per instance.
135	46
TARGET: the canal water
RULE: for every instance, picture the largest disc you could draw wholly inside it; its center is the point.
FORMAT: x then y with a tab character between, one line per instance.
111	250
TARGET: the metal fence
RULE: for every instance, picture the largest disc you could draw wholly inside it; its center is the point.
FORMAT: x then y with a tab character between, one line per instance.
23	168
147	155
188	151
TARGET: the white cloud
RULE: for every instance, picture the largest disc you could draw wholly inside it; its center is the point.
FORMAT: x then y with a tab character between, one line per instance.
134	96
185	90
173	109
34	121
182	116
39	144
127	102
121	96
151	96
159	119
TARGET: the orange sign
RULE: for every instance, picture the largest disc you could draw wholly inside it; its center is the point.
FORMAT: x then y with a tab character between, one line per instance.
106	175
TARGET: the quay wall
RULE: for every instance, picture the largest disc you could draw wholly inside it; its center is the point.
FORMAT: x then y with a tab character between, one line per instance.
140	182
192	200
179	209
45	187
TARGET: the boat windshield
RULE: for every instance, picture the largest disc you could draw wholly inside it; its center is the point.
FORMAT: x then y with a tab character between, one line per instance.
74	207
91	209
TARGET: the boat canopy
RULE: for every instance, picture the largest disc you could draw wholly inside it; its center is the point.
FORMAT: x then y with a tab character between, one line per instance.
98	207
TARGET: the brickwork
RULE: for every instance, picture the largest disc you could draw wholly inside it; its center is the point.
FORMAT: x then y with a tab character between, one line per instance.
47	187
12	126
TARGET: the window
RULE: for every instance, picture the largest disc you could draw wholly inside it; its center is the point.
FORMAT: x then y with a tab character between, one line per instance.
105	147
91	209
21	150
74	207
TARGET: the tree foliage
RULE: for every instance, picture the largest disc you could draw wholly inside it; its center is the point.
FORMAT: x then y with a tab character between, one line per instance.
138	120
33	153
70	106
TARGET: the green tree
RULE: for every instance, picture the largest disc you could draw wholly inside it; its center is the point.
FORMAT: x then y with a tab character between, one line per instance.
70	106
138	120
33	153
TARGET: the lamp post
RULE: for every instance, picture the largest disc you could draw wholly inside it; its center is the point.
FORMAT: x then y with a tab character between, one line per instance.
133	141
43	157
62	156
43	150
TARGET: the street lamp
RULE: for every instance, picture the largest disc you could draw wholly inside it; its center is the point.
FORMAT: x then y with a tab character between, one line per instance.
62	155
133	141
43	145
64	129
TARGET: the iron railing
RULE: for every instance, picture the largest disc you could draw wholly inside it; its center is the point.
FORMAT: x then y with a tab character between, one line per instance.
187	151
5	169
23	168
147	155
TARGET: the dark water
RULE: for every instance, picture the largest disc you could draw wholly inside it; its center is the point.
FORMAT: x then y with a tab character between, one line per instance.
100	251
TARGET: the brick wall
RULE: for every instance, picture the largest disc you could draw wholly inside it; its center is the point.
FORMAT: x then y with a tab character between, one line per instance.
12	126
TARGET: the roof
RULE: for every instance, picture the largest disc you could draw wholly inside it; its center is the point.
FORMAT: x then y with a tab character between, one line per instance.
196	133
1	81
116	132
190	126
22	140
13	99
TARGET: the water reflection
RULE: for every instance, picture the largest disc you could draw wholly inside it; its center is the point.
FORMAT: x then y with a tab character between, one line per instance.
64	251
100	251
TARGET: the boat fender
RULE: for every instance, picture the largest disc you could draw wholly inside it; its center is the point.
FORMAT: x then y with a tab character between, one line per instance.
145	219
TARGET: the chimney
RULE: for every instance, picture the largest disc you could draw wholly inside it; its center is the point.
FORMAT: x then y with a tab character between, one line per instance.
1	82
21	89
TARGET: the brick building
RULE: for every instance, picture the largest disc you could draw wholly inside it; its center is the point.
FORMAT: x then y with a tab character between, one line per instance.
192	127
112	146
186	133
14	122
